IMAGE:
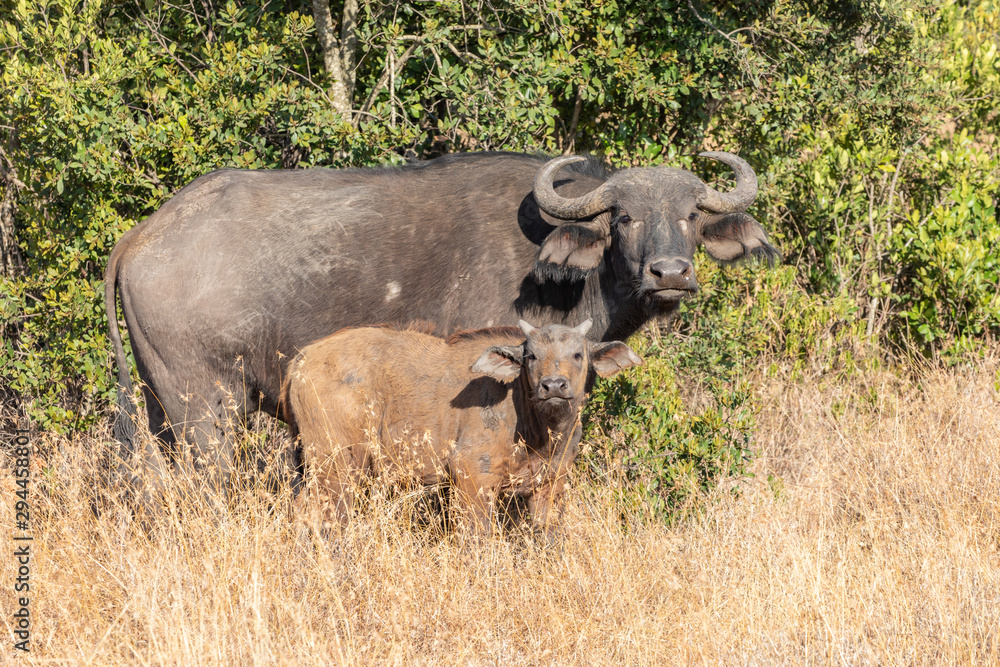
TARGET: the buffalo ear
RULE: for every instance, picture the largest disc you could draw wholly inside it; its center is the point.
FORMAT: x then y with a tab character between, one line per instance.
736	236
570	252
500	362
609	358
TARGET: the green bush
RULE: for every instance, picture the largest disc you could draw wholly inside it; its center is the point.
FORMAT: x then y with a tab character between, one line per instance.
669	455
947	255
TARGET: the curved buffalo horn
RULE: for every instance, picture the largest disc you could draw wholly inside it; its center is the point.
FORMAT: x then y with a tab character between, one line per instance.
737	199
561	207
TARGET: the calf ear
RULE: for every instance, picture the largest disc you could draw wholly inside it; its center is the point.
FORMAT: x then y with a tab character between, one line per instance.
609	358
500	362
736	236
571	251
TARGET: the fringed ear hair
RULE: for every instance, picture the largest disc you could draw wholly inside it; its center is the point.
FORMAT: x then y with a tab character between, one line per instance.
737	236
572	250
500	362
610	358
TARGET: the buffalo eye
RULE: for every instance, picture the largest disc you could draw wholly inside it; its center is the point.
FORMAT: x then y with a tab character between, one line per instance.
578	356
624	218
693	216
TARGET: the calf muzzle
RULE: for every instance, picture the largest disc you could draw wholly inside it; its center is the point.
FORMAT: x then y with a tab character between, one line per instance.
555	386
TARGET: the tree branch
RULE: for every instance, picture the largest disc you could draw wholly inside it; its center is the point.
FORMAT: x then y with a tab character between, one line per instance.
384	79
11	259
739	47
349	44
570	141
339	55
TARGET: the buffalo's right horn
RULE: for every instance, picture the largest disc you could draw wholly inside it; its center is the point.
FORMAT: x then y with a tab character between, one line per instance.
565	208
740	197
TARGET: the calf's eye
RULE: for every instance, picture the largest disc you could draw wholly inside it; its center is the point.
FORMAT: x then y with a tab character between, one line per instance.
578	356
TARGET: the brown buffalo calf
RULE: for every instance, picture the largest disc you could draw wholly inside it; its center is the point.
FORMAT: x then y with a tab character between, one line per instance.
487	411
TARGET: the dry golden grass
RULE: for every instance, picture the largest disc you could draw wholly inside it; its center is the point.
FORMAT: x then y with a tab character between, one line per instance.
880	546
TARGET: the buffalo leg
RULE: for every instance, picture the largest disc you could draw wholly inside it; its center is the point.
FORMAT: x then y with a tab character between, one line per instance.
545	507
141	467
154	468
211	451
332	475
475	498
192	411
545	503
199	439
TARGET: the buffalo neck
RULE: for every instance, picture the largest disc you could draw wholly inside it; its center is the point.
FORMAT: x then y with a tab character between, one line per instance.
617	299
538	434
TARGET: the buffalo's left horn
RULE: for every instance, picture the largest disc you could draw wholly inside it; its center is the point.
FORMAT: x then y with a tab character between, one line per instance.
565	208
737	199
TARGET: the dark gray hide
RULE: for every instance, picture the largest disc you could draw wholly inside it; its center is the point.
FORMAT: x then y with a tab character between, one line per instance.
240	270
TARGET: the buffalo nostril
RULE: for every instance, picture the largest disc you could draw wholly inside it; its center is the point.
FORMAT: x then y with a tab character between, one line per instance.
555	385
674	273
671	267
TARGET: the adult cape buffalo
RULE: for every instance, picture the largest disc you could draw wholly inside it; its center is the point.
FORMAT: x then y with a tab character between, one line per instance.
224	284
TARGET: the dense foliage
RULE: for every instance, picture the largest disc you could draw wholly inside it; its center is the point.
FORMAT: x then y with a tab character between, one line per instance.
871	124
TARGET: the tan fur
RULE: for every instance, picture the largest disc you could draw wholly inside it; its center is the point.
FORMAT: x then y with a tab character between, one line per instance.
373	401
485	334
